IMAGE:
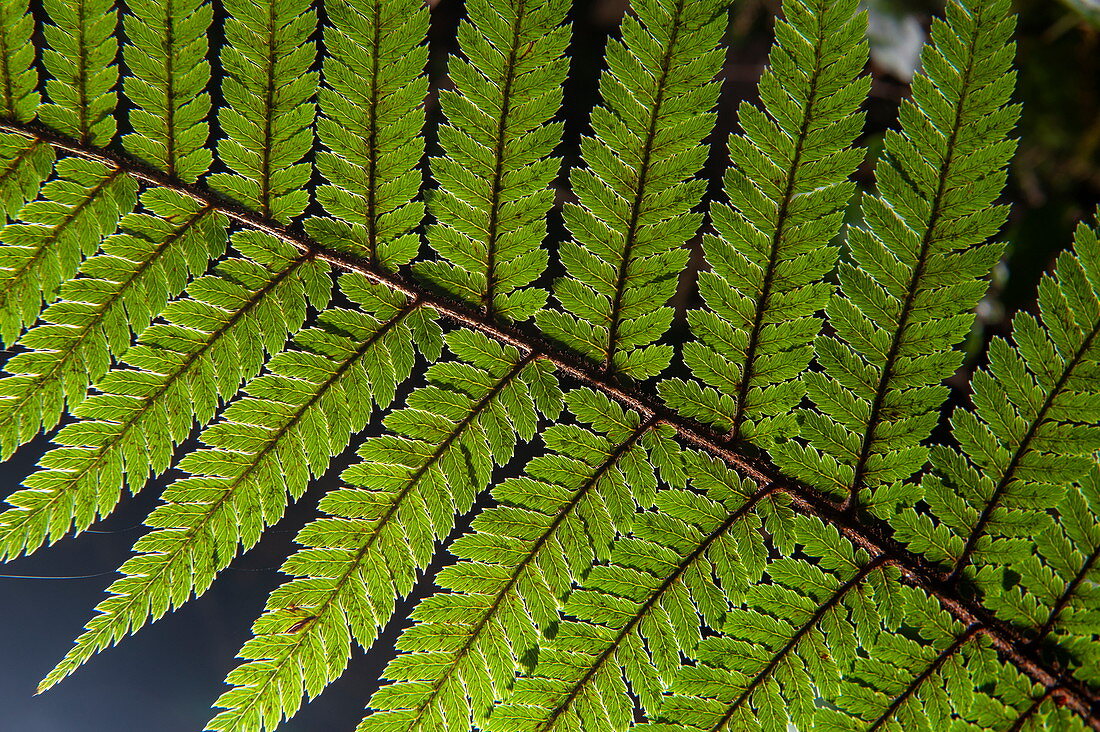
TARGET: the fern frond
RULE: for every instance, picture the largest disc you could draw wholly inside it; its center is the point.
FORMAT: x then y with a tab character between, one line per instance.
122	289
357	561
718	560
24	162
1055	597
83	204
24	165
637	193
1015	704
1033	430
211	342
54	234
548	528
80	60
19	97
798	632
497	167
269	113
788	188
917	269
937	678
166	57
371	122
264	449
635	616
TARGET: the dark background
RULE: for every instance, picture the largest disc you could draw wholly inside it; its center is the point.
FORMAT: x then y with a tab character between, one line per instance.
164	679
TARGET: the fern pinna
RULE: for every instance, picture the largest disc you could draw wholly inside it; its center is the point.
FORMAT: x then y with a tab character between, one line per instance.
740	521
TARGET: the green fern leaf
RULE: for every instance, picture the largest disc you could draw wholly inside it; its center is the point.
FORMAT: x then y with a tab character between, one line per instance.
636	195
550	526
122	289
268	117
24	161
789	645
1033	431
18	96
917	269
307	405
84	203
54	234
1054	598
374	91
773	538
166	57
1007	507
637	615
81	62
409	486
923	682
788	189
180	369
495	175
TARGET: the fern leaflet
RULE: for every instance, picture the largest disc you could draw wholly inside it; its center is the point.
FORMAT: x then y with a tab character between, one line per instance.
181	368
525	553
122	289
635	199
239	483
917	269
268	117
24	162
373	191
407	490
787	189
495	177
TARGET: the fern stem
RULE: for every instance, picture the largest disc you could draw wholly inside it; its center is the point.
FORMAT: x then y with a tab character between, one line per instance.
1008	641
867	532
